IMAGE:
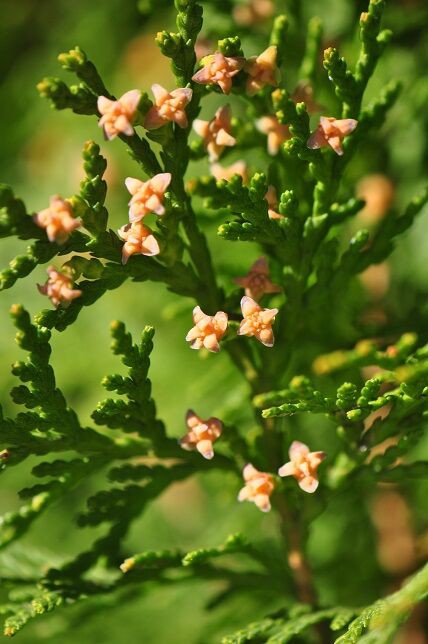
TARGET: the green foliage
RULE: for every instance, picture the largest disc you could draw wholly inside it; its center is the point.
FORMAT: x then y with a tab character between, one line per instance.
284	626
379	622
373	397
51	426
172	559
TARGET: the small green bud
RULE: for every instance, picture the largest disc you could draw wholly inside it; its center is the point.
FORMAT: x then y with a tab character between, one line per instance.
77	97
73	60
310	60
354	415
56	91
288	203
278	37
169	43
258	187
94	163
230	46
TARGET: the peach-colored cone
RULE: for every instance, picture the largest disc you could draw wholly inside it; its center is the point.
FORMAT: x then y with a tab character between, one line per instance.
118	116
219	70
258	487
138	240
276	133
331	131
168	107
57	220
201	434
262	70
208	330
147	196
257	282
59	287
257	322
216	133
303	465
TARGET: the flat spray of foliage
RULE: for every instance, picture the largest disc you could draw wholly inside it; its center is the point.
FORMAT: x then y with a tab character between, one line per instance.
314	267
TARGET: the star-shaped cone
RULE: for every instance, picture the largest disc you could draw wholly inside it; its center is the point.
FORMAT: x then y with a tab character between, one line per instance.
331	131
201	434
303	465
147	196
208	330
257	322
58	220
216	133
59	287
117	117
276	133
139	240
262	70
258	487
169	106
257	282
219	70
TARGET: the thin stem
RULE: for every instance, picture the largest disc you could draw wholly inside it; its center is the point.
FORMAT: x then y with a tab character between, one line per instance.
244	364
201	257
299	567
289	524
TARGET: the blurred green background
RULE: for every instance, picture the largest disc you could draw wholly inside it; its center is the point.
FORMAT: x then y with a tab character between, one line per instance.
40	155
